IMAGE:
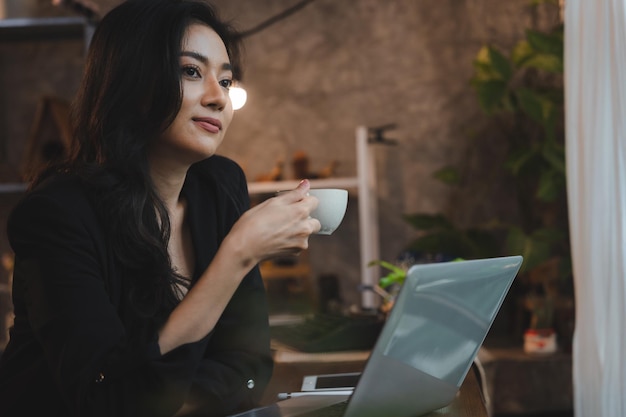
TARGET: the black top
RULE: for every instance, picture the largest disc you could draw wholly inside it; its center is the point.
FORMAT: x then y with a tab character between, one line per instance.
71	352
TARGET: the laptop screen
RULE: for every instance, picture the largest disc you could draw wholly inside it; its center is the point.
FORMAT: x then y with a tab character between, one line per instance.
446	315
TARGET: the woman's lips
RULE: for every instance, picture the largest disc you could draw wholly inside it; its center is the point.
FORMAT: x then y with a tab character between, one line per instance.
209	124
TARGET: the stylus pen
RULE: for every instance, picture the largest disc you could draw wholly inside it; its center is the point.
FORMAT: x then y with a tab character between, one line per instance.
285	395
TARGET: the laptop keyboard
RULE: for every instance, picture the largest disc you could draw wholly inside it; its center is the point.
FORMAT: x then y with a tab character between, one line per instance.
330	333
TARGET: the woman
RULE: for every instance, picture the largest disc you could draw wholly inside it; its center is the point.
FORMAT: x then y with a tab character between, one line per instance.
136	291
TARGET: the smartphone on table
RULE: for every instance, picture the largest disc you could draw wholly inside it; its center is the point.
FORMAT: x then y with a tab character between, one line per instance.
340	381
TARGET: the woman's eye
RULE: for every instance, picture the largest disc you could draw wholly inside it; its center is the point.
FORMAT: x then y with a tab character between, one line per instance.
191	72
226	83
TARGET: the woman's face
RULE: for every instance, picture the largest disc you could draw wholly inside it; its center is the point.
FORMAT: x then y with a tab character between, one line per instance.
206	110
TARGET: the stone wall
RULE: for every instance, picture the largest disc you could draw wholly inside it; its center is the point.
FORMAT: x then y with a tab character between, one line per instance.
312	78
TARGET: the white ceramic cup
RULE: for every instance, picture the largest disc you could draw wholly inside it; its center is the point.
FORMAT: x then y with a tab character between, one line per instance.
331	208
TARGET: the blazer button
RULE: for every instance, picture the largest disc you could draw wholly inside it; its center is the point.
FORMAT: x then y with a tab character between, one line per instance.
250	383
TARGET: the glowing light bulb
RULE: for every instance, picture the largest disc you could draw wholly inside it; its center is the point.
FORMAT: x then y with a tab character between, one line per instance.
238	96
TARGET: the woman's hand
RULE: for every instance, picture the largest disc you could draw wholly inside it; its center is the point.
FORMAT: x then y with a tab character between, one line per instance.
279	226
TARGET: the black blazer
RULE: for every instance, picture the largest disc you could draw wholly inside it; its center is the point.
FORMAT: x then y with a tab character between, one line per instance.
71	351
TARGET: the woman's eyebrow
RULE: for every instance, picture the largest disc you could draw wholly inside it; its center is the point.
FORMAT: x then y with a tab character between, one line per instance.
203	59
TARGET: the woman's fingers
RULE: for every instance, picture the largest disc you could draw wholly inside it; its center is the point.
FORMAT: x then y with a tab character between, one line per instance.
300	198
315	225
280	225
297	194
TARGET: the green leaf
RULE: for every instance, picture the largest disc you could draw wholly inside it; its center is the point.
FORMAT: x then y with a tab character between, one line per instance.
484	69
521	53
565	267
549	125
396	275
390	279
545	62
387	265
491	65
483	243
447	242
554	154
521	161
530	104
492	73
549	235
491	94
448	175
537	107
551	186
534	250
500	64
555	95
547	43
543	51
428	221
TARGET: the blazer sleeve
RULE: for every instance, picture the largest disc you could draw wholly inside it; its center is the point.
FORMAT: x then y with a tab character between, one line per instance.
98	369
237	364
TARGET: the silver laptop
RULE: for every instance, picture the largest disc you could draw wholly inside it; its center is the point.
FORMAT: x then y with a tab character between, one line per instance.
432	335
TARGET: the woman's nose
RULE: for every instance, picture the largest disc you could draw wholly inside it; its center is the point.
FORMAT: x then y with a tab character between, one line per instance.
214	95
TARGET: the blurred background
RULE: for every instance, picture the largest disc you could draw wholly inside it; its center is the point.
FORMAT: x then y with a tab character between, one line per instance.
462	101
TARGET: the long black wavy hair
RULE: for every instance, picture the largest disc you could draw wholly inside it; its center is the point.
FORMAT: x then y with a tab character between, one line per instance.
131	92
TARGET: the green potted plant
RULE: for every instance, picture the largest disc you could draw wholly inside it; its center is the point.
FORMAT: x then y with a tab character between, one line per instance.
540	335
389	284
521	93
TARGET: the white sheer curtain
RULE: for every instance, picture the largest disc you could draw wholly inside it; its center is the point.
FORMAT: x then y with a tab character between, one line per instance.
595	91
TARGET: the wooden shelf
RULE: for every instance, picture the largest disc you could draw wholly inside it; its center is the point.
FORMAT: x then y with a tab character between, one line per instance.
274	186
270	270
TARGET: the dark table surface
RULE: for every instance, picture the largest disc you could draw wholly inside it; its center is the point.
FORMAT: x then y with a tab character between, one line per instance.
290	369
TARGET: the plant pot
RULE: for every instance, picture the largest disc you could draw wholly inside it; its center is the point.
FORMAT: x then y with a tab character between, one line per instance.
540	341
